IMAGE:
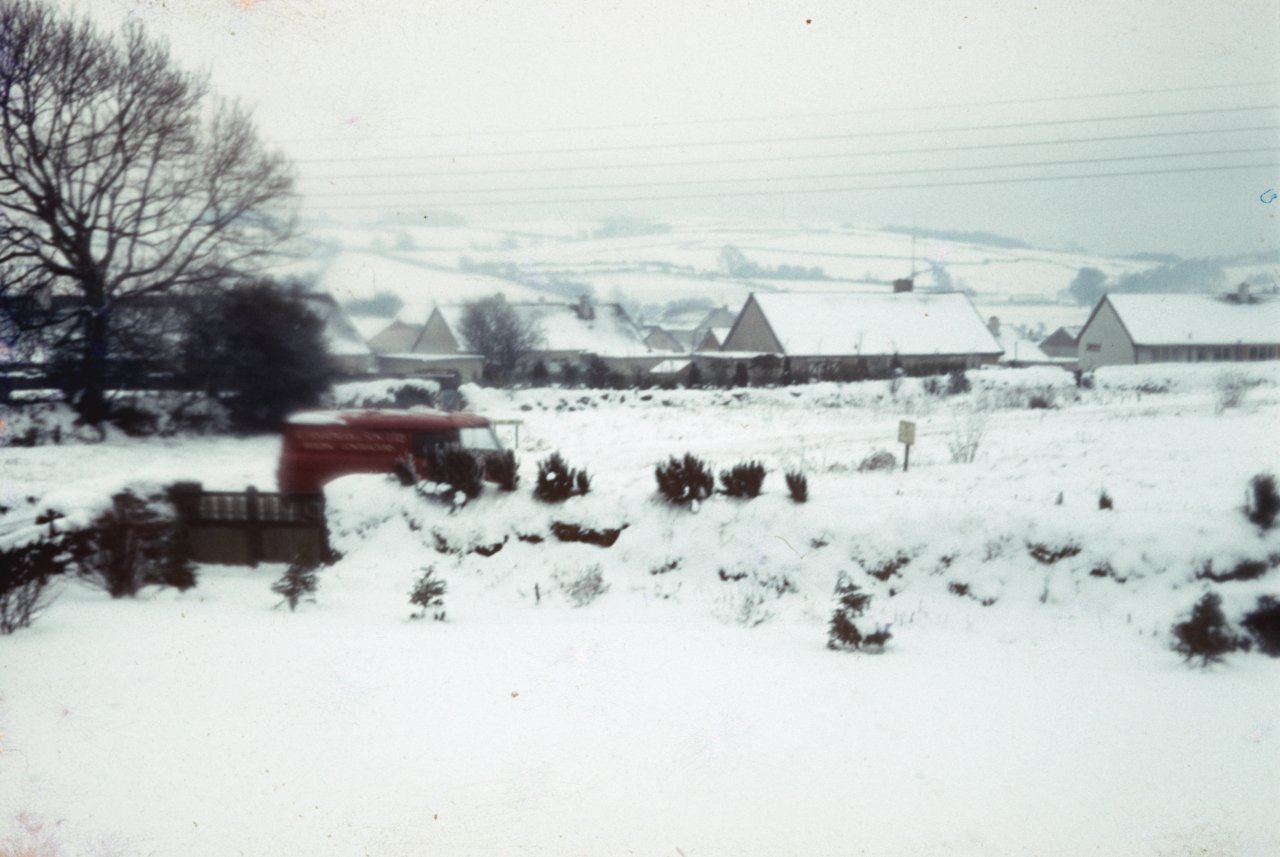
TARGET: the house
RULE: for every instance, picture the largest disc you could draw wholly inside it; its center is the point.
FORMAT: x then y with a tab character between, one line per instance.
1019	350
350	353
1063	342
687	329
859	334
1180	328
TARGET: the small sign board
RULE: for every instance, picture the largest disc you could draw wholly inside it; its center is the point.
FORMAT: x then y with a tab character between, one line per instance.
906	432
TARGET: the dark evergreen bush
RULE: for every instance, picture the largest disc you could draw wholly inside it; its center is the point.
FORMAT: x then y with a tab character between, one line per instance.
1104	500
958	382
743	480
135	544
504	469
457	469
1206	635
694	378
1263	622
1265	502
797	486
428	594
298	583
684	480
557	481
741	376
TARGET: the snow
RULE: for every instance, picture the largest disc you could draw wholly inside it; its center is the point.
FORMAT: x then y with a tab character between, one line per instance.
660	716
843	323
1197	319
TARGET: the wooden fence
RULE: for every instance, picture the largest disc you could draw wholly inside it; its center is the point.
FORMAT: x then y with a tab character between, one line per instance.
249	527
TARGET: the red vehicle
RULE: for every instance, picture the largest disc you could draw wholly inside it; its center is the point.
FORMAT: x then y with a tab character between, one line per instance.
319	446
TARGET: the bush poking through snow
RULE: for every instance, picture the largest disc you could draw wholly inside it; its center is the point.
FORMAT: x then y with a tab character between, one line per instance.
1230	388
504	469
958	383
428	594
25	573
586	587
1104	500
1264	502
133	545
1206	635
1263	622
743	480
686	480
878	459
842	631
557	481
298	583
965	439
1041	401
797	486
453	474
1047	554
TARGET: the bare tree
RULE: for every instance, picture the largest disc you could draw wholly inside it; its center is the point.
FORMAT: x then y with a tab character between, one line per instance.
121	179
490	327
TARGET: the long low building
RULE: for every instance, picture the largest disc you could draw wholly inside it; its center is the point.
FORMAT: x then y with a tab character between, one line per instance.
1152	328
836	333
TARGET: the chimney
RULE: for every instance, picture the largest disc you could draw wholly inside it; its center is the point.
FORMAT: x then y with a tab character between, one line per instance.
586	311
993	325
1243	293
905	284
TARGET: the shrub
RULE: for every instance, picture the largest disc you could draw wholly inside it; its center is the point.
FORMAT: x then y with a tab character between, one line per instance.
958	383
25	574
1206	634
743	480
1104	500
965	439
135	544
428	594
1230	388
851	602
586	587
1041	401
1264	503
686	480
878	459
298	583
455	472
932	386
504	469
797	486
1264	624
557	481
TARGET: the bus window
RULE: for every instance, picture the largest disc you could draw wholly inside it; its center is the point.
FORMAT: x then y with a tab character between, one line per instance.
424	440
479	437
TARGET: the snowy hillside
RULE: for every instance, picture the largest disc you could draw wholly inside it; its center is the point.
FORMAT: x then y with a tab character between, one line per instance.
672	693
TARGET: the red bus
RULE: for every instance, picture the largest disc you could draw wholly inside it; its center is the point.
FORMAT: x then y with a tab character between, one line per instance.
318	446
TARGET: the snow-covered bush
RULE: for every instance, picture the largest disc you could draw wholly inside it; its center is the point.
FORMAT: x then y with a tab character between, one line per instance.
743	480
298	583
851	602
25	574
557	481
138	542
391	393
878	459
585	587
966	437
1206	635
504	469
428	594
1043	400
797	486
684	480
958	383
1230	388
1264	502
1263	622
453	474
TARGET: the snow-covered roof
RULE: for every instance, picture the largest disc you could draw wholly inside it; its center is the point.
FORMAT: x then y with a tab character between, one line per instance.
1020	350
611	333
1196	319
342	336
671	367
848	323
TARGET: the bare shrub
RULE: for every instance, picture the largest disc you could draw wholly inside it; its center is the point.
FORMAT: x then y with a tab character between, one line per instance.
585	587
743	480
1230	388
298	583
25	575
797	486
966	438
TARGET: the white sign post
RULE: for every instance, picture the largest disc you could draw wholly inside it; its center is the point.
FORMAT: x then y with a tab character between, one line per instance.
906	436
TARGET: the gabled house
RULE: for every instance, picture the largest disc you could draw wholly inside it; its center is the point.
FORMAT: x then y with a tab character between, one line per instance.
1180	328
851	334
1063	342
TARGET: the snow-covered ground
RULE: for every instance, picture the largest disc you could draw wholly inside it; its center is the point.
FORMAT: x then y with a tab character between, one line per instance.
692	707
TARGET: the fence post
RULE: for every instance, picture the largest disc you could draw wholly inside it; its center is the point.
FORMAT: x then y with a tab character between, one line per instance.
254	525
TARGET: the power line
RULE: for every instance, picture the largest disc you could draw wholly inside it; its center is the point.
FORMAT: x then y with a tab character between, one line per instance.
1043	123
791	158
817	177
788	116
810	191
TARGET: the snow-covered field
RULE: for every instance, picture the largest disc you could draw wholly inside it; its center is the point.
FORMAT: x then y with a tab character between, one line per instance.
692	707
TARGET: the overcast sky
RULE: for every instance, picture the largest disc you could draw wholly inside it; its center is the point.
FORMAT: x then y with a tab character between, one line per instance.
812	112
